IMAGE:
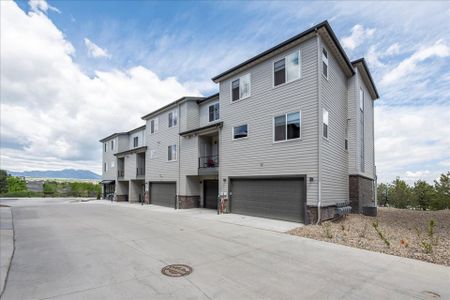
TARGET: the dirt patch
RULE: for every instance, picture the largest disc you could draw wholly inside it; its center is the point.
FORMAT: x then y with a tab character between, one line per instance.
423	235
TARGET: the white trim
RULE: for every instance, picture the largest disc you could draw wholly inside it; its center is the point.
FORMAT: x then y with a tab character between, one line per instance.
285	69
155	125
168	123
242	138
231	88
326	61
176	153
286	139
328	123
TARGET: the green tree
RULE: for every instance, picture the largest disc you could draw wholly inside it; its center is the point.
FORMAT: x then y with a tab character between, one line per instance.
3	181
442	198
399	194
382	190
16	184
423	194
50	188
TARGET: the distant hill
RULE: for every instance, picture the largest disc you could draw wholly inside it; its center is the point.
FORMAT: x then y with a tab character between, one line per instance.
66	173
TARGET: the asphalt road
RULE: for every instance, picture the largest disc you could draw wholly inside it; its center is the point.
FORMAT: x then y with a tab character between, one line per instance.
74	250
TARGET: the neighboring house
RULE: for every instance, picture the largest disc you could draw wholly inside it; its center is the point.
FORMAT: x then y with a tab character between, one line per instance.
290	135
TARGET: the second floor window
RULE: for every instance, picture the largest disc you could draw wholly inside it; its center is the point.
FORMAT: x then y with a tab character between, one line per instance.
286	69
112	145
154	124
105	146
104	167
152	153
287	127
172	153
173	119
135	141
214	112
240	132
325	123
325	63
240	88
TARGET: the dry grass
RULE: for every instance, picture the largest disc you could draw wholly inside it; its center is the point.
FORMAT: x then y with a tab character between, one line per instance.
423	235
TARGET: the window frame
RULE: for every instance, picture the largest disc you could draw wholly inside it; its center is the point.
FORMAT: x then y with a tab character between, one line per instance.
155	125
174	123
324	110
242	138
299	51
240	86
112	145
176	153
218	112
325	60
286	120
105	144
135	141
105	167
153	154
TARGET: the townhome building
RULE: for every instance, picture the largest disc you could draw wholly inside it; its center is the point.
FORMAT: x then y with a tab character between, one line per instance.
289	135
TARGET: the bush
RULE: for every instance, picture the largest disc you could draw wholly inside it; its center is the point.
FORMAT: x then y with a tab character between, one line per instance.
3	181
22	194
16	184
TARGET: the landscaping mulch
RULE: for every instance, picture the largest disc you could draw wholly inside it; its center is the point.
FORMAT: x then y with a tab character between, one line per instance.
401	232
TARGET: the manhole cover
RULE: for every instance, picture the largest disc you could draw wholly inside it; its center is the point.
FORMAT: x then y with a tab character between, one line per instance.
176	270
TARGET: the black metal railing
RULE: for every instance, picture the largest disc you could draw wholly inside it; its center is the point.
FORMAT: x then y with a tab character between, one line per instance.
209	161
140	171
120	173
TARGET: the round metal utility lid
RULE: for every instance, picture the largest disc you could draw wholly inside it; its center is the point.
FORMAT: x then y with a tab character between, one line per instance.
176	270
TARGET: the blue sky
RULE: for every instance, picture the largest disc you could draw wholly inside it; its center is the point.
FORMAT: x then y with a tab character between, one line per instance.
87	54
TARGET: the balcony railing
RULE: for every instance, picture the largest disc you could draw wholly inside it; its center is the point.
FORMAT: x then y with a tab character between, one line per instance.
120	173
140	171
209	161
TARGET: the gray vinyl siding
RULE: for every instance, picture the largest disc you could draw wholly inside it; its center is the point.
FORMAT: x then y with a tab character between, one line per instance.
204	113
189	116
108	157
130	166
334	157
159	168
258	154
368	131
188	163
353	123
122	143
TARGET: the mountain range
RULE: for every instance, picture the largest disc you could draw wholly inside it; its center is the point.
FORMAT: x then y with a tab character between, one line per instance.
66	173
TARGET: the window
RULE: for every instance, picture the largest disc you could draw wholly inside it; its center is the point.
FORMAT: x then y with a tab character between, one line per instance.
172	153
346	135
240	88
214	112
112	164
173	116
152	154
287	69
361	120
112	145
104	167
325	123
135	141
325	63
105	146
287	127
240	132
154	124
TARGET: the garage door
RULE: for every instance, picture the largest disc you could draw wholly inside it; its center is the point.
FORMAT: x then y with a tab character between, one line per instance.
278	198
163	193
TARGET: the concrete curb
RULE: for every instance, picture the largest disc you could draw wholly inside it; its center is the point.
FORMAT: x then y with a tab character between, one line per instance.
6	245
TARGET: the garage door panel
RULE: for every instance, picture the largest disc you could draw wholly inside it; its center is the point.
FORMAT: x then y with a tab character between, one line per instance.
163	193
273	198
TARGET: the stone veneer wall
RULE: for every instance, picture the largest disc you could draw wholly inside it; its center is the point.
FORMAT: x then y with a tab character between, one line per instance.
185	202
326	213
361	192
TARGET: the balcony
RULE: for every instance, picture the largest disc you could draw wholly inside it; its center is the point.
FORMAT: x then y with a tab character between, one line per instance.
208	165
120	173
140	172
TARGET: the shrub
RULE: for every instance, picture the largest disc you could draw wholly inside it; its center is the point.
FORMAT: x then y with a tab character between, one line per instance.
16	184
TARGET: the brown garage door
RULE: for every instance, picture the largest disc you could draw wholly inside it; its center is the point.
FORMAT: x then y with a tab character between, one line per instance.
163	193
277	198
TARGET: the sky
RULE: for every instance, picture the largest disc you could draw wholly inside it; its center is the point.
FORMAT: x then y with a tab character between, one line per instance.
73	72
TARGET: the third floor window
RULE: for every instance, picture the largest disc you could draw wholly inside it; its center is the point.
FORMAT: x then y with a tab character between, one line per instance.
240	88
173	119
214	112
286	69
135	141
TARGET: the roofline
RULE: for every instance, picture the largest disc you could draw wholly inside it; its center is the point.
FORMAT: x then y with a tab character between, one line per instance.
130	151
292	39
182	99
214	125
111	136
208	98
363	61
137	129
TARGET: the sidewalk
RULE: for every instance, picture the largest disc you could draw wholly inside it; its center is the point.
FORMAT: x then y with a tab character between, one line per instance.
6	244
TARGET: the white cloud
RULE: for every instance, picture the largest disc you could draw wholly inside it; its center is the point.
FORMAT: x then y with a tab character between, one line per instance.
412	138
52	113
41	6
359	34
94	50
393	49
409	65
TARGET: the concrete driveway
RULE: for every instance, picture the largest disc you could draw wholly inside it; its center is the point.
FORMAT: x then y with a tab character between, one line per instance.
69	250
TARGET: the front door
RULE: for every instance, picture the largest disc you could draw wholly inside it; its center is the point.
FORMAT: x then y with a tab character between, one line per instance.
210	193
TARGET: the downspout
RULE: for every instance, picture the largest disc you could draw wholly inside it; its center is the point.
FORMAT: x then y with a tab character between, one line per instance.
319	137
177	204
